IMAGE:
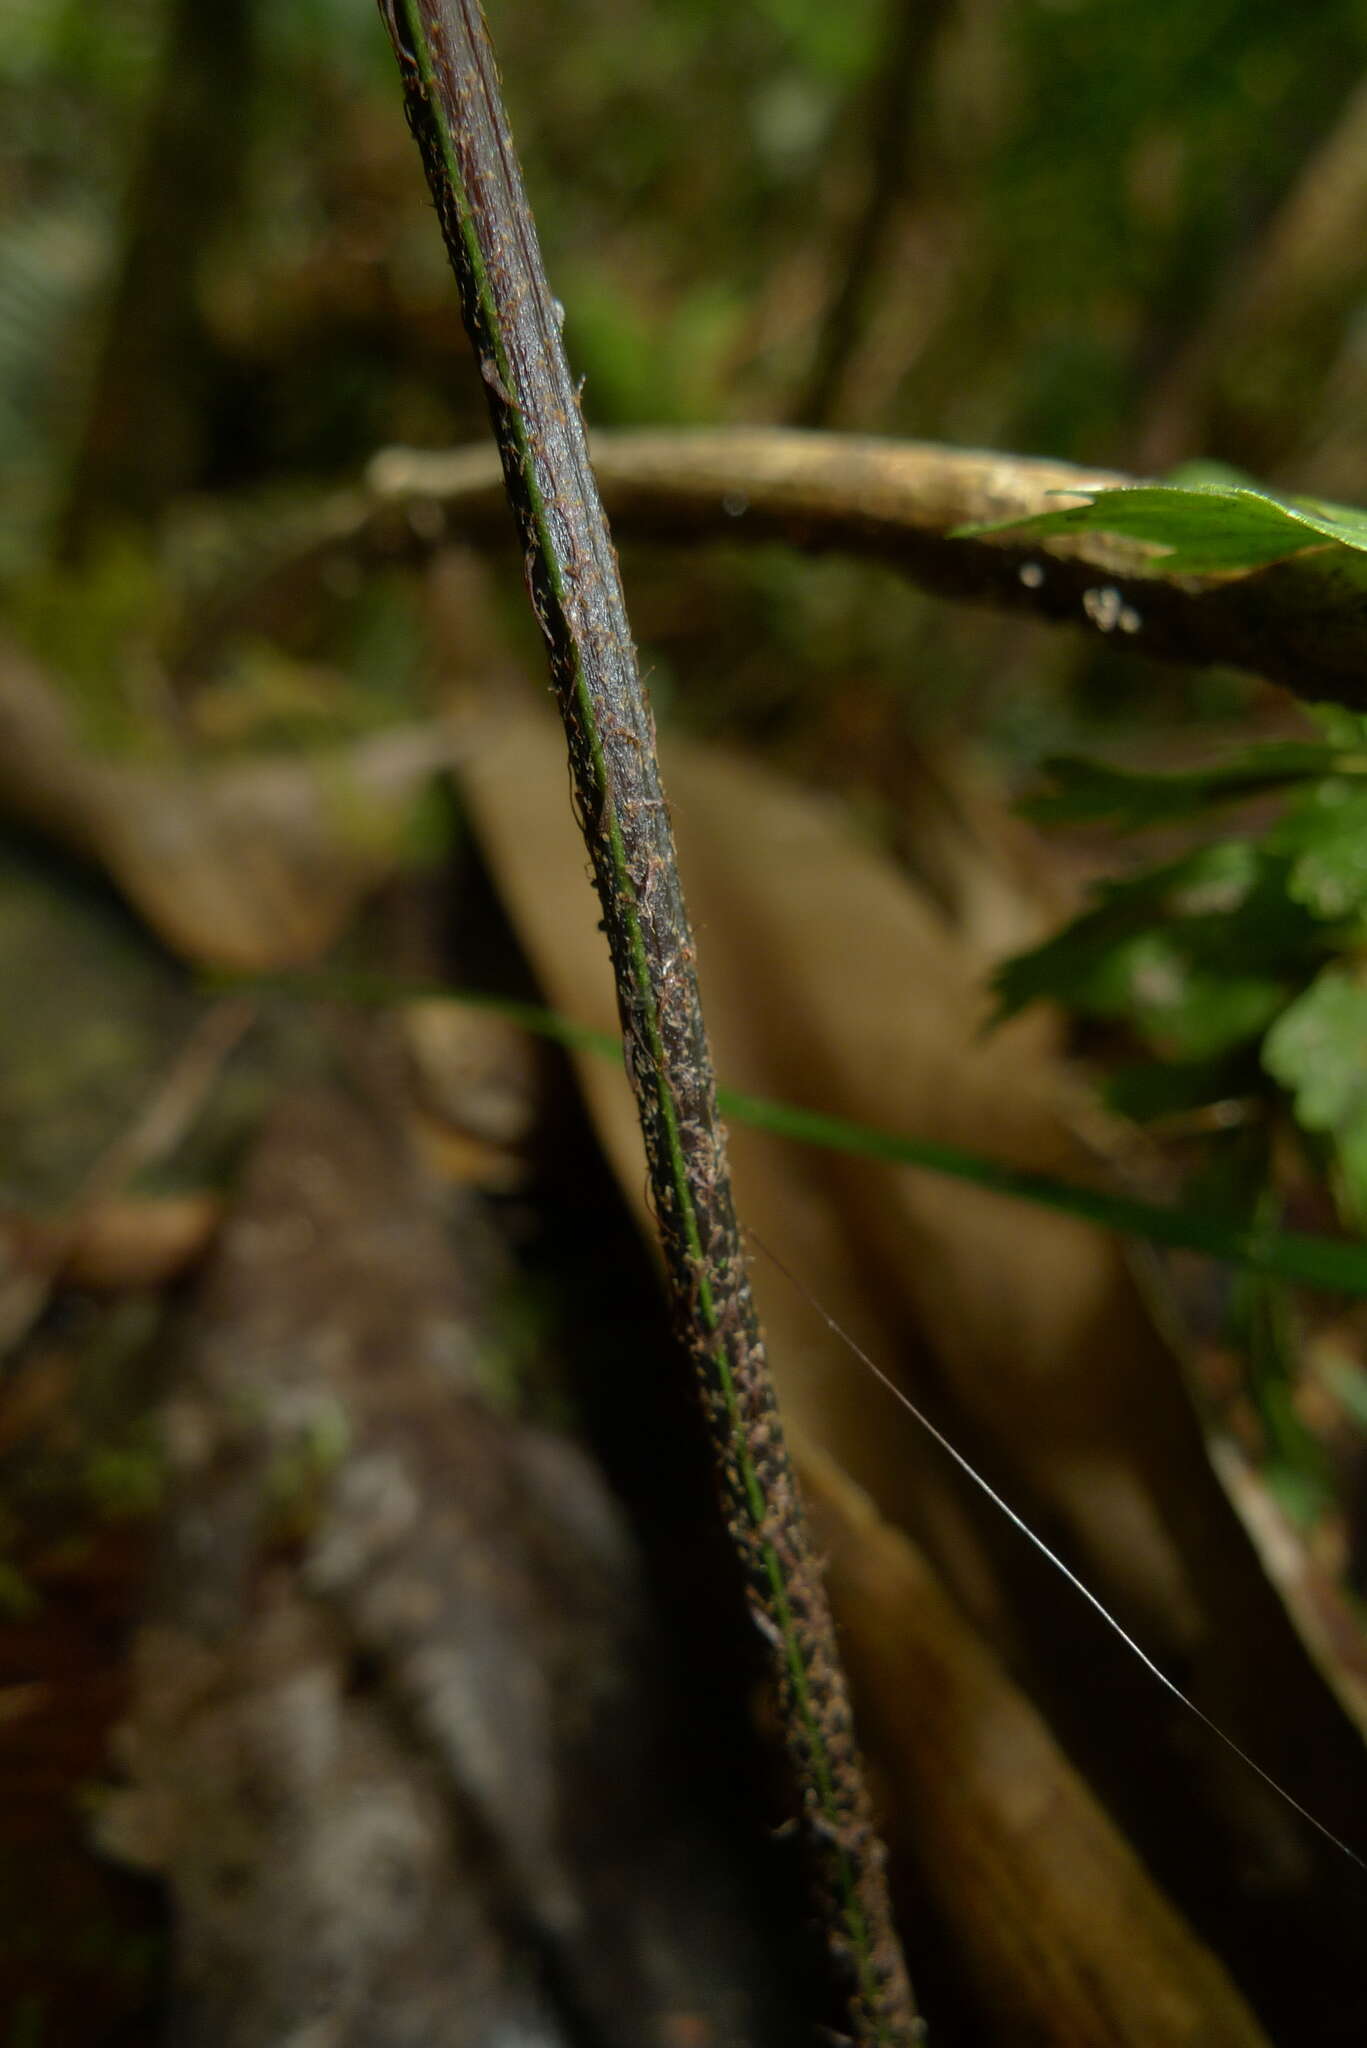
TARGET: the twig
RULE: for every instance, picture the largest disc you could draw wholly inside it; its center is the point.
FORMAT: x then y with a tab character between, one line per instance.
914	27
455	110
148	408
1298	622
153	1135
174	1104
1238	384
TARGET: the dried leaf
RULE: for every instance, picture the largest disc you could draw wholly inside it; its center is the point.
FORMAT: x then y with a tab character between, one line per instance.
1007	1834
133	1242
829	982
249	865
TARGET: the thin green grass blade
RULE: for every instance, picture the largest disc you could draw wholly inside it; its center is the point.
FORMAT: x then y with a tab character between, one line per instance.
1337	1266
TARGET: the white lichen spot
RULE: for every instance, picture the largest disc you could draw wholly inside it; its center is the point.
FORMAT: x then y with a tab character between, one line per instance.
1103	607
1031	574
373	1507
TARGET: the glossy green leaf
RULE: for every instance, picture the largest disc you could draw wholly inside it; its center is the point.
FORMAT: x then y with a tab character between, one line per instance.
1203	530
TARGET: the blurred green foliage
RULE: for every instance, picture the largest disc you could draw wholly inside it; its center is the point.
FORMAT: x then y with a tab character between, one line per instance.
1078	192
1239	966
1079	186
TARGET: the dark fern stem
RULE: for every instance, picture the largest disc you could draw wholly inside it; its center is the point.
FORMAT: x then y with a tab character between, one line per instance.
456	114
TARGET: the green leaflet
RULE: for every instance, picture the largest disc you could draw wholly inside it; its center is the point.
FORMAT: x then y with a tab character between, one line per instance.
1317	1050
1204	529
1325	833
1197	955
1234	965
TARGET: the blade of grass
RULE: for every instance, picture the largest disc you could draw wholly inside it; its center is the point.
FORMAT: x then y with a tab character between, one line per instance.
1288	1255
1304	1260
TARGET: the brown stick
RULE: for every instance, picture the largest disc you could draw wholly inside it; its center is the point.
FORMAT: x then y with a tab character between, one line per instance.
456	113
914	27
1298	622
